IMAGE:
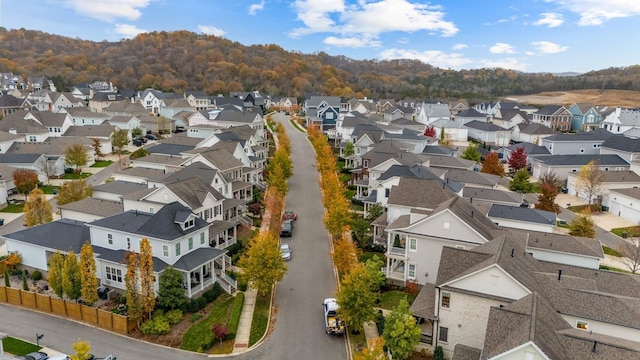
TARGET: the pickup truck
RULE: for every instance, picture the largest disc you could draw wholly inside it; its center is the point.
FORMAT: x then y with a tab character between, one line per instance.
333	324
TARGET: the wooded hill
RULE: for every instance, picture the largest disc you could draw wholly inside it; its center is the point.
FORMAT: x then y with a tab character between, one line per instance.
182	60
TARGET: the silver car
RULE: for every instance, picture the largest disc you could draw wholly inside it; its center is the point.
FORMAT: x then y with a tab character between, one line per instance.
285	251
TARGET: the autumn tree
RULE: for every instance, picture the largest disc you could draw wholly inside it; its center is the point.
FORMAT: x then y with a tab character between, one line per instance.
630	250
521	182
88	279
355	297
590	179
71	278
430	131
119	139
262	264
401	331
82	350
72	191
492	165
583	226
37	209
170	291
220	331
146	276
551	179
132	286
378	279
518	159
374	351
76	156
471	153
97	148
281	158
547	199
25	181
56	273
345	256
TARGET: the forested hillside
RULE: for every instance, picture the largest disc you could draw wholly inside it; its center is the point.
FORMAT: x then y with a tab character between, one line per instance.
182	60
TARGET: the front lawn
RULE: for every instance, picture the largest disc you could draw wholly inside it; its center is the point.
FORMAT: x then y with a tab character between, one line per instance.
627	231
102	163
201	333
260	320
609	251
14	208
75	176
391	299
48	189
18	347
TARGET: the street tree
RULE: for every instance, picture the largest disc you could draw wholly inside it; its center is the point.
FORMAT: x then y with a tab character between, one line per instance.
471	153
25	181
82	349
277	179
521	182
630	250
345	256
355	297
132	286
97	148
374	351
583	226
262	264
73	190
374	264
48	168
492	165
590	179
401	331
56	272
88	278
518	159
170	291
71	278
76	156
146	277
37	209
119	139
430	131
547	199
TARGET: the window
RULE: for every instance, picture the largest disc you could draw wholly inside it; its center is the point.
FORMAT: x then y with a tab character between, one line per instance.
177	249
365	163
446	300
582	325
190	243
443	334
110	239
32	138
461	247
207	213
413	244
165	250
201	238
412	271
188	224
329	115
128	243
152	210
386	193
446	225
114	274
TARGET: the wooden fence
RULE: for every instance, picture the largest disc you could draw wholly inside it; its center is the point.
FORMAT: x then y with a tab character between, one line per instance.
87	314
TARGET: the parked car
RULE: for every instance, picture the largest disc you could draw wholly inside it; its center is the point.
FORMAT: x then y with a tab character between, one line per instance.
333	325
137	142
289	215
59	357
141	138
151	137
286	229
36	355
285	251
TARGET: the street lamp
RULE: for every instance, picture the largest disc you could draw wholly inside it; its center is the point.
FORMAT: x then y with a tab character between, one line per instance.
38	337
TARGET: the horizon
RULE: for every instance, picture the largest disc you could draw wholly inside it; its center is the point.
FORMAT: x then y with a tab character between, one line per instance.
550	36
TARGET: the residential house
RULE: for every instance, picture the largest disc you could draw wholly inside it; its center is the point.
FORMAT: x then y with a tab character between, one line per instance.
471	178
7	139
126	122
11	81
139	175
413	125
152	99
626	147
585	117
487	197
198	100
530	150
322	111
469	115
253	99
361	106
346	124
455	131
56	123
7	187
23	123
54	149
487	133
81	116
162	162
608	181
625	203
458	106
101	132
622	120
509	118
125	108
555	117
531	133
56	101
576	143
524	218
10	104
90	209
286	103
399	112
452	162
563	165
25	161
429	113
170	108
156	124
100	100
225	118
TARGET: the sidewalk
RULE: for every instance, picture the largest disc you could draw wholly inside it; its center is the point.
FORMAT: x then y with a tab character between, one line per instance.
246	318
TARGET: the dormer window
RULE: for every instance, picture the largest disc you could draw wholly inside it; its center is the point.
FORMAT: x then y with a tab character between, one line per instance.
189	224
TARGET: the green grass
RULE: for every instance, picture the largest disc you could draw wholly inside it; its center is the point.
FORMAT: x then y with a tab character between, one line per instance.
296	125
75	176
359	341
102	163
605	267
629	230
391	299
13	208
609	251
260	321
48	189
563	224
18	347
197	334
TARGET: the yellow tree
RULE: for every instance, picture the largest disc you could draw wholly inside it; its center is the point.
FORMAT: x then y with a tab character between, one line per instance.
76	156
375	351
134	304
82	349
73	191
589	181
56	271
146	276
345	255
355	297
37	209
88	277
277	179
262	264
71	277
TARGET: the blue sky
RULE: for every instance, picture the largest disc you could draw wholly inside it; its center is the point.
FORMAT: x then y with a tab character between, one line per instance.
526	35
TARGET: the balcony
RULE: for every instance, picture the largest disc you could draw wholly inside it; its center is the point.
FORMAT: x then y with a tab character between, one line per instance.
397	253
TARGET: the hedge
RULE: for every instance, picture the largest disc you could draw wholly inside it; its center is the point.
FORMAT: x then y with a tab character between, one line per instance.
234	319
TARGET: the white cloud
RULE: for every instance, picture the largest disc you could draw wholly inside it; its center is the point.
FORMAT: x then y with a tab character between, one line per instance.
501	48
596	12
210	30
507	63
128	31
370	18
549	19
459	46
352	42
254	8
433	57
547	47
109	10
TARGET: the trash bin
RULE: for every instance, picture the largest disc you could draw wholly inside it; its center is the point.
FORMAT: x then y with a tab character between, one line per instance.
1	222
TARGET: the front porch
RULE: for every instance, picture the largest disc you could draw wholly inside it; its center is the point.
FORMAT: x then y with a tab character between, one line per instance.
202	268
222	234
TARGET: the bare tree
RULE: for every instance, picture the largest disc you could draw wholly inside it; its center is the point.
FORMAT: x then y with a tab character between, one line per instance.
590	178
630	250
46	167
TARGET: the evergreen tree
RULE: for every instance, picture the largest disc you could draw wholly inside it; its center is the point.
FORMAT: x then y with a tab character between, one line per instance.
521	182
25	286
170	292
582	226
471	153
7	281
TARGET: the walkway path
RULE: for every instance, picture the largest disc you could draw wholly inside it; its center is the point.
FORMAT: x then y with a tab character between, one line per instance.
246	318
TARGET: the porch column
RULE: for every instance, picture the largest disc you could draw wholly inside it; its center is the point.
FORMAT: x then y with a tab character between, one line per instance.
201	279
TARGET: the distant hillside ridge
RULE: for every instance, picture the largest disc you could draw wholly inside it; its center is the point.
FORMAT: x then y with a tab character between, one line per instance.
183	60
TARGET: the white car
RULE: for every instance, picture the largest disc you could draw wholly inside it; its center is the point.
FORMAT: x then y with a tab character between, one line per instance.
285	251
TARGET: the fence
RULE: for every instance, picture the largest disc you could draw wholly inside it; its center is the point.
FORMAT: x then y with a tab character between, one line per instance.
87	314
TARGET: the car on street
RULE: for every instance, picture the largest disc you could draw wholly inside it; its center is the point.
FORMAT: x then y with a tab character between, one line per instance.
289	215
285	251
151	137
36	355
286	229
137	142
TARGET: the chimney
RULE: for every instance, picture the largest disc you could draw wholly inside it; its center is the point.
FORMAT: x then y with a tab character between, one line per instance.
471	200
595	343
13	131
471	213
512	251
559	274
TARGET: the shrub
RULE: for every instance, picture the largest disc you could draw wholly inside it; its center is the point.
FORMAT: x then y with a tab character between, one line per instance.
374	248
438	353
122	299
242	285
232	274
174	316
234	318
380	322
36	275
25	286
195	317
207	342
212	294
156	326
158	313
196	305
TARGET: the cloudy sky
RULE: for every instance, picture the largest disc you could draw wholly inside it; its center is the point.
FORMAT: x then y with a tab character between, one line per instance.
526	35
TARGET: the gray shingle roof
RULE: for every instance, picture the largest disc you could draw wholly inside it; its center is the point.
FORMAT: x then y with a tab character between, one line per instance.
193	191
484	126
535	129
103	130
470	177
631	192
522	214
438	150
581	159
119	187
94	206
595	135
64	235
622	143
492	195
198	257
529	148
445	161
168	149
19	158
422	193
120	257
160	159
142	173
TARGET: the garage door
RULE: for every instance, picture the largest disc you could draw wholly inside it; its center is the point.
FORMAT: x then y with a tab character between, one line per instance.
629	214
